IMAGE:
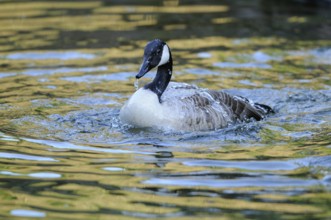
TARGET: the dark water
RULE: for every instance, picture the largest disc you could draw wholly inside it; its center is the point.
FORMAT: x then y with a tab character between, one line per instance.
66	68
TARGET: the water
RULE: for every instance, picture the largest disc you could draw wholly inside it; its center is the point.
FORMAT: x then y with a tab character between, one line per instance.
67	68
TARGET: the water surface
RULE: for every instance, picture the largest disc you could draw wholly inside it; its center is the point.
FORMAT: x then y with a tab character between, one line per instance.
66	68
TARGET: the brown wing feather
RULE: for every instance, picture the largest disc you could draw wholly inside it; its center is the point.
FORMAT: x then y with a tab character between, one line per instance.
209	109
206	113
240	107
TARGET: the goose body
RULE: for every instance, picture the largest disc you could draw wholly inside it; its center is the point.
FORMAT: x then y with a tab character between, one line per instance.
179	106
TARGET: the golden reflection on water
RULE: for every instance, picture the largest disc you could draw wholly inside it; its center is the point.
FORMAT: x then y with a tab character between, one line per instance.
85	189
114	37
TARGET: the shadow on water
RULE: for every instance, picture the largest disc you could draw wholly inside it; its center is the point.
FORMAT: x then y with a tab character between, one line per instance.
67	67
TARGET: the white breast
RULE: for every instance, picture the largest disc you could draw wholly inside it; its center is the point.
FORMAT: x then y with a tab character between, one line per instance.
142	109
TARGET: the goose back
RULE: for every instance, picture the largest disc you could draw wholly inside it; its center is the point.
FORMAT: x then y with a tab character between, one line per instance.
190	108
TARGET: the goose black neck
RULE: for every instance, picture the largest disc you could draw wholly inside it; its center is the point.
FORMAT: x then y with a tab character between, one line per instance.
162	79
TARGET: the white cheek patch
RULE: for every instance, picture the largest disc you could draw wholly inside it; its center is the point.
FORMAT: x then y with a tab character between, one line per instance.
165	55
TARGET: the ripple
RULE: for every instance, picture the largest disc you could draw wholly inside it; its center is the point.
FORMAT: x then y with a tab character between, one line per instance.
247	82
27	213
327	180
320	55
242	65
247	165
44	175
67	145
259	181
65	55
39	72
3	75
25	157
122	76
300	107
5	137
204	55
262	57
267	165
114	169
201	71
95	99
9	173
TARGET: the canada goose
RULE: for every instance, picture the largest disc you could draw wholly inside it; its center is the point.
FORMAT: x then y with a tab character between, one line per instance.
180	106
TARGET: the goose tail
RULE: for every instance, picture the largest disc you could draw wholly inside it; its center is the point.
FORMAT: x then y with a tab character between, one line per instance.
264	109
250	109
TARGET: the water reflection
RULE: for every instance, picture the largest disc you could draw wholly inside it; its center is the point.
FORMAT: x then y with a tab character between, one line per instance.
68	67
108	77
66	55
27	213
260	181
38	72
242	65
66	145
25	157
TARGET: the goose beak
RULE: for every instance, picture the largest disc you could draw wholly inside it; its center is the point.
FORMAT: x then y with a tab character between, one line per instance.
145	68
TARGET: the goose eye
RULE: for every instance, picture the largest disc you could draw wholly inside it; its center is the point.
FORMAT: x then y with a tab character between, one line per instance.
158	51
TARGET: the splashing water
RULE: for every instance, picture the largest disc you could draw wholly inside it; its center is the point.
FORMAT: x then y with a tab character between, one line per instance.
136	84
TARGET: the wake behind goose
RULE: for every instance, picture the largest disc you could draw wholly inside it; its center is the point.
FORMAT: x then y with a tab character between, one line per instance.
175	106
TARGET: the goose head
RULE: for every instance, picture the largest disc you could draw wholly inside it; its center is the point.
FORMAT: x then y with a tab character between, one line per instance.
156	54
